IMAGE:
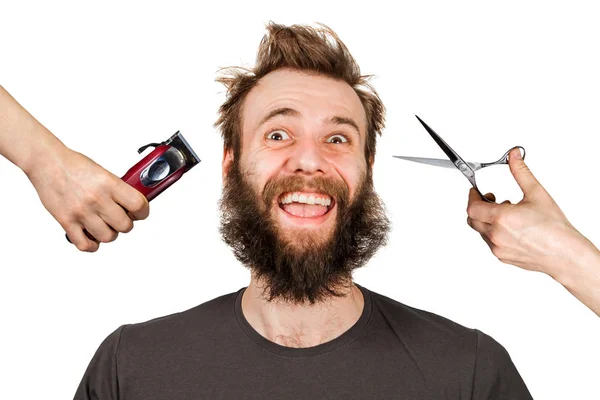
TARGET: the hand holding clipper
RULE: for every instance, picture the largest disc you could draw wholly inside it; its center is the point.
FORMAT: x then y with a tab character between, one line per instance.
164	166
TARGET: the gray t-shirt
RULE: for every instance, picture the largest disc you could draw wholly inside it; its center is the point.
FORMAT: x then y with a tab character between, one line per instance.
212	352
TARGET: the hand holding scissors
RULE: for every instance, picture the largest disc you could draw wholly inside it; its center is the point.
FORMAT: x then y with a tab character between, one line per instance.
533	234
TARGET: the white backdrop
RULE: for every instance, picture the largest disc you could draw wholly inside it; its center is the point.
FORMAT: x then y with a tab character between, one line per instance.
111	77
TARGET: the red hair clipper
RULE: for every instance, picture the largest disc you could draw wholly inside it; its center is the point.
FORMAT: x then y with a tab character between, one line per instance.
154	173
162	167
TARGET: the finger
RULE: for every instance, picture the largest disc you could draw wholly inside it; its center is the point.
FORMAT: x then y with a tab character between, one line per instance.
117	217
99	229
76	235
89	236
523	175
490	196
132	200
479	209
481	227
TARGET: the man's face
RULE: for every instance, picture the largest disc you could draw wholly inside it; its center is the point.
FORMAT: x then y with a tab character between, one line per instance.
300	188
309	134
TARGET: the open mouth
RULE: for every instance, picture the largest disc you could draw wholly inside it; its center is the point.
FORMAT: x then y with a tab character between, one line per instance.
306	204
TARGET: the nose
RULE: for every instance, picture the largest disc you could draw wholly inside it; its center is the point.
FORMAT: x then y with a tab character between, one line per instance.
307	158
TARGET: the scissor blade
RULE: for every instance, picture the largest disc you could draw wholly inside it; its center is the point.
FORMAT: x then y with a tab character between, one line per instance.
431	161
438	162
452	155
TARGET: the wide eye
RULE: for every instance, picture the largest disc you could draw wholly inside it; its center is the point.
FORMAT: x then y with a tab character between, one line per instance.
278	135
336	139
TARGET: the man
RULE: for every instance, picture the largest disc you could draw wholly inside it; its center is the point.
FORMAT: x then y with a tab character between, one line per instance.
299	210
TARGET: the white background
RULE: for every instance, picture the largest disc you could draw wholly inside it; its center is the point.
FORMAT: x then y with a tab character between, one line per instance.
110	77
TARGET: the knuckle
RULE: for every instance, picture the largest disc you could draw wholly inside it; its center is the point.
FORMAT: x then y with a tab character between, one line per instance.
497	252
499	239
110	236
106	181
106	236
87	247
139	203
504	219
493	236
498	219
472	223
93	199
126	226
78	212
470	210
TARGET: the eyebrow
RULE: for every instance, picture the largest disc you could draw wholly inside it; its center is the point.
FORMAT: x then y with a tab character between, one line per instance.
279	111
286	111
345	121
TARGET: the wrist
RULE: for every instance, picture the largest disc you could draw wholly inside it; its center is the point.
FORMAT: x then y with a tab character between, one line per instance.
583	264
44	154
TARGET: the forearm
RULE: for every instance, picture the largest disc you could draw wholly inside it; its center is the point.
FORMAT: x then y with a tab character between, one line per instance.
23	140
582	277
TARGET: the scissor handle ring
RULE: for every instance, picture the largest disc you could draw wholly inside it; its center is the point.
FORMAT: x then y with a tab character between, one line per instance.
504	159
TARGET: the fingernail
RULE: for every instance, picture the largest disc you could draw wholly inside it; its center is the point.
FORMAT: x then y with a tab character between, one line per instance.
517	154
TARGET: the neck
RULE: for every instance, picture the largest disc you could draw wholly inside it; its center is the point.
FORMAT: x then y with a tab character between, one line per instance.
301	325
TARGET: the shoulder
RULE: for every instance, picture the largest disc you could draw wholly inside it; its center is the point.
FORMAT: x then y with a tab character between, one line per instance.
435	330
424	333
137	349
204	320
421	323
466	356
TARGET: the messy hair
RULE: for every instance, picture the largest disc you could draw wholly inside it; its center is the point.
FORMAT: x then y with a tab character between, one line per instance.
304	48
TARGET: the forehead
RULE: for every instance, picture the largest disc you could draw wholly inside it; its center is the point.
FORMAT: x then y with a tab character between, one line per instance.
314	96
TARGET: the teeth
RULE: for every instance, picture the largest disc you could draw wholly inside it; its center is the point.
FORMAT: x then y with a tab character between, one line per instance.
306	199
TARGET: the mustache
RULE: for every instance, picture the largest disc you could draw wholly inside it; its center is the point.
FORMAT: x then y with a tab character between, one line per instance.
276	186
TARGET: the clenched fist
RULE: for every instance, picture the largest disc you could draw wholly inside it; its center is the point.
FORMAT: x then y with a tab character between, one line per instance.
80	194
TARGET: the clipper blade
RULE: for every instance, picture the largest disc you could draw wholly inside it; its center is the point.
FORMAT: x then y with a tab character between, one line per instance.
179	142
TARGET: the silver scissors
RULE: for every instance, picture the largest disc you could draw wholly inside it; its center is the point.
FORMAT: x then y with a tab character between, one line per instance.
467	168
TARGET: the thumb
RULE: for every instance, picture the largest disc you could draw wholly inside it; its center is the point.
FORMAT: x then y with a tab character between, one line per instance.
525	179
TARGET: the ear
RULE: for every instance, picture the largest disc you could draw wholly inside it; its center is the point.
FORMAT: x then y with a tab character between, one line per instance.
371	161
227	162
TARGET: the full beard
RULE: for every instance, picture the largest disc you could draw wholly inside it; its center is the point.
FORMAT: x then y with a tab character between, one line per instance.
306	268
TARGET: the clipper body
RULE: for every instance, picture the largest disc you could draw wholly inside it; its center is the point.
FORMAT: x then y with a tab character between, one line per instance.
164	166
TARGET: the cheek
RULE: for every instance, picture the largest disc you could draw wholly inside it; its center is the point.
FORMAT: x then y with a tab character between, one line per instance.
260	169
351	172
